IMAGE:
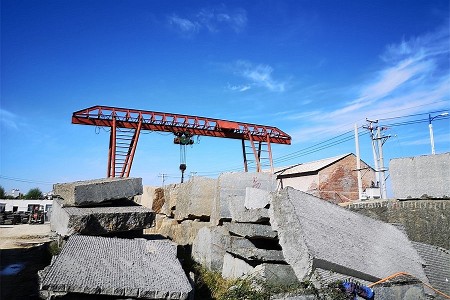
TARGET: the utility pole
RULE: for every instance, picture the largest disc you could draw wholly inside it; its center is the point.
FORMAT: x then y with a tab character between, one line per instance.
163	178
358	163
377	148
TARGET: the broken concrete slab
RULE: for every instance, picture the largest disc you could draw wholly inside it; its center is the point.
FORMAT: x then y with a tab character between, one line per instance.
250	230
209	247
316	234
195	198
99	220
95	191
256	198
143	269
421	177
233	185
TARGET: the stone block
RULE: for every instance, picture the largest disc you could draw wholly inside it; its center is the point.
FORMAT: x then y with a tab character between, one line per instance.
168	201
314	232
209	247
90	192
250	230
276	274
234	267
239	213
99	220
256	198
195	198
232	187
255	254
132	269
421	177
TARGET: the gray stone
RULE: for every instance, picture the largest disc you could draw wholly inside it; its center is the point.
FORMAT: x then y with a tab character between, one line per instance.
234	267
90	192
256	254
209	247
99	220
314	233
195	198
421	177
276	274
132	268
232	187
250	230
256	198
241	214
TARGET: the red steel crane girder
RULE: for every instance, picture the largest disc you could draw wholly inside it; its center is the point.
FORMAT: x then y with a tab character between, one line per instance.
168	122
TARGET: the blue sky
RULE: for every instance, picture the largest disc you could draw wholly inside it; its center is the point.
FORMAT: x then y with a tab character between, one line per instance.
311	68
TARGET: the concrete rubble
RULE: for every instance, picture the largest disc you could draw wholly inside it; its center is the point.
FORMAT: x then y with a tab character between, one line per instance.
138	268
421	177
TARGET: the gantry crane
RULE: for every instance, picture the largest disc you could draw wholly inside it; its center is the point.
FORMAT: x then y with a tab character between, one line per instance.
122	144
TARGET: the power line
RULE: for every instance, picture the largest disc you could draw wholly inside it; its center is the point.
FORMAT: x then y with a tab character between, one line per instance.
25	180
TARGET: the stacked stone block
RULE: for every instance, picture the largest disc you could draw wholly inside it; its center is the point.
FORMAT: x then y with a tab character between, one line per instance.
90	264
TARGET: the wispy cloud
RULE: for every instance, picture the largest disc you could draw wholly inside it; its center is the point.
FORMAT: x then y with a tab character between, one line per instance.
414	76
210	19
8	119
258	75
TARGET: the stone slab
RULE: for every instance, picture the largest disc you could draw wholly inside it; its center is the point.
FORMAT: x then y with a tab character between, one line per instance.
276	274
233	185
209	247
260	255
91	192
250	230
143	269
314	233
99	220
421	177
234	267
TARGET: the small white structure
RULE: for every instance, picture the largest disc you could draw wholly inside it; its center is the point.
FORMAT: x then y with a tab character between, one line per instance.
22	205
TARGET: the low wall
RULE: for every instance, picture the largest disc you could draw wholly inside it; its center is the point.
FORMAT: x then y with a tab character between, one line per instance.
425	221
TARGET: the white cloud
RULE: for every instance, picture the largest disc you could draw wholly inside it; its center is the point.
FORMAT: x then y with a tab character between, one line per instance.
239	88
8	119
259	75
414	77
211	20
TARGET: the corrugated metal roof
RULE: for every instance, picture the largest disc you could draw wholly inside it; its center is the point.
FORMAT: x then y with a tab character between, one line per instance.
310	166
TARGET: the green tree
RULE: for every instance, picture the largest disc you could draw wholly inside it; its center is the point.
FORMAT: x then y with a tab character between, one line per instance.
2	192
34	194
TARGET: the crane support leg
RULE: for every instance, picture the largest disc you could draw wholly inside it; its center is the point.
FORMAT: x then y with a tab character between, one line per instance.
129	158
269	149
258	163
245	156
112	150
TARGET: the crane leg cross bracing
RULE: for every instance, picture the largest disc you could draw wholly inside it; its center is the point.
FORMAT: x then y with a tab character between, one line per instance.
126	125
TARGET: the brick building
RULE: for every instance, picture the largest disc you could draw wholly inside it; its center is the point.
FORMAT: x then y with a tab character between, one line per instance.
334	179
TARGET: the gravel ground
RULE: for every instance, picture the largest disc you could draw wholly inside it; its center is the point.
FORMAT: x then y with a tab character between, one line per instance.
24	235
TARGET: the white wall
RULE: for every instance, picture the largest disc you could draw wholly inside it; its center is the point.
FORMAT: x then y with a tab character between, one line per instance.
22	204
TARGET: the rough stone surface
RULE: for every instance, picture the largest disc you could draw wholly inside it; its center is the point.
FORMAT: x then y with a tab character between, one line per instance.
234	267
256	198
276	274
209	247
421	177
91	192
132	268
316	234
195	198
249	230
232	187
99	220
258	254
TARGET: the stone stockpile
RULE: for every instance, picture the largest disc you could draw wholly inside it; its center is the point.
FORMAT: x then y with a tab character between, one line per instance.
92	192
142	269
99	220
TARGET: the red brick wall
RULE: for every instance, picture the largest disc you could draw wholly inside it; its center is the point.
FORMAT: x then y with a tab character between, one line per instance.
339	183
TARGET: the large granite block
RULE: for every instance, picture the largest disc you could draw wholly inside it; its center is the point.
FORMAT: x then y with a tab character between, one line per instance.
314	233
256	198
91	192
232	187
421	177
195	198
209	247
136	268
99	220
249	230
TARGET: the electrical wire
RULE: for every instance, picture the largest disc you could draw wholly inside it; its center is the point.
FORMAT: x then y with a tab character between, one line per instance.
25	180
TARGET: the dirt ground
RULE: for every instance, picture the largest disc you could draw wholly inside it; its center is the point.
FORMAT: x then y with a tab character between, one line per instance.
24	235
